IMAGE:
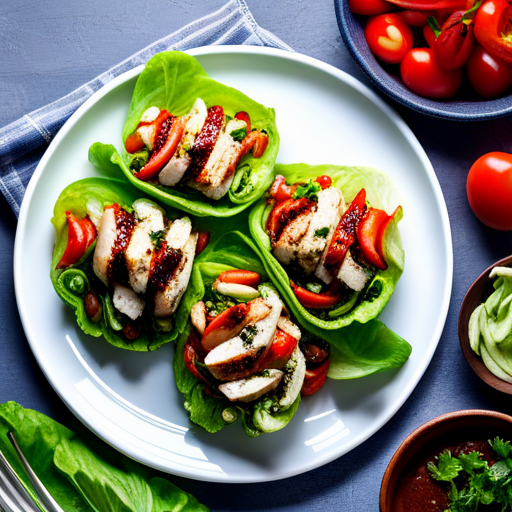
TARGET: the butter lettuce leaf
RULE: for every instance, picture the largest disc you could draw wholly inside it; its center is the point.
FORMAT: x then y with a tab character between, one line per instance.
82	473
72	283
173	81
380	193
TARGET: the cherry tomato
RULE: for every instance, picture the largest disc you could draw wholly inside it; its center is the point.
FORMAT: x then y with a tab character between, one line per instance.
429	36
315	378
413	18
134	143
190	356
370	7
389	37
280	350
315	300
324	181
423	76
429	5
367	233
455	43
81	234
489	77
489	189
203	239
245	277
244	116
280	191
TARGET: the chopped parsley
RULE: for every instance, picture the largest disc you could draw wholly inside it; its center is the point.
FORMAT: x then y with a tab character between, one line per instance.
248	333
138	160
309	190
157	237
322	232
480	484
374	291
239	135
314	287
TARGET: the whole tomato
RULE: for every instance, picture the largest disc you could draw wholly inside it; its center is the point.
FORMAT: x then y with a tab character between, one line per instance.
413	18
370	7
389	37
489	76
489	189
421	73
429	35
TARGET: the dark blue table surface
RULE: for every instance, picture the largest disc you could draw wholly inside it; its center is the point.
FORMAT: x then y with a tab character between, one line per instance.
49	48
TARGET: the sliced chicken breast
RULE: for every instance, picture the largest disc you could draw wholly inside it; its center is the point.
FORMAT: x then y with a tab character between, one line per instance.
287	247
323	223
238	357
105	243
248	390
126	301
140	249
352	274
286	325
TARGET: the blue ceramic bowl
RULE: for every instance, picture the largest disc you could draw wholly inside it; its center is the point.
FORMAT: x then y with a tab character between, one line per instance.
465	107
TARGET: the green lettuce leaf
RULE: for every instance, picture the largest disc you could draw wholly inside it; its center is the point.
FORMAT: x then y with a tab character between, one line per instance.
380	193
72	283
83	474
173	81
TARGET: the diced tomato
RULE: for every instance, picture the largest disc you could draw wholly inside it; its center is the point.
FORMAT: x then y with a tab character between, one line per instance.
324	181
367	234
315	300
280	191
134	143
244	116
161	156
190	356
81	234
315	378
203	239
345	233
382	232
280	350
245	277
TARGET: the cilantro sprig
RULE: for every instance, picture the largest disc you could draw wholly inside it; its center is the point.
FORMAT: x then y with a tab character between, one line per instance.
309	190
480	484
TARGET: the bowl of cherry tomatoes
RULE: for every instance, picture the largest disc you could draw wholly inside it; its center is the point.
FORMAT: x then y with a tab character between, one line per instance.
451	59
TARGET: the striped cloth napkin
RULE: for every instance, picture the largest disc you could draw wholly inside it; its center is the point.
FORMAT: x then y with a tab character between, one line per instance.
23	142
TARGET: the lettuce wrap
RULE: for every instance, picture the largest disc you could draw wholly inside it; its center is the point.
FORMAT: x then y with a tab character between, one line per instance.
381	194
73	282
356	351
82	473
173	81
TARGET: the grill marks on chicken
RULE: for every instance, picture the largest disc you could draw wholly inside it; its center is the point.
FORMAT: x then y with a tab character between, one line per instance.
125	222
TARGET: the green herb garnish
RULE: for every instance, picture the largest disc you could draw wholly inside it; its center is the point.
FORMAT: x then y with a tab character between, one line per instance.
138	160
239	135
314	287
248	333
322	232
480	484
157	237
309	190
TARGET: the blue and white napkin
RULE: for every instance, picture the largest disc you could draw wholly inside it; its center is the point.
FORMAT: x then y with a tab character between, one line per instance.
23	142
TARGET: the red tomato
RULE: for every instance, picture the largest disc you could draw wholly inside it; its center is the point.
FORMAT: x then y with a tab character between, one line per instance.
455	43
489	77
315	378
489	189
280	191
389	37
203	239
81	234
367	233
244	116
413	18
429	36
314	300
423	76
246	277
369	7
324	181
190	356
134	143
280	350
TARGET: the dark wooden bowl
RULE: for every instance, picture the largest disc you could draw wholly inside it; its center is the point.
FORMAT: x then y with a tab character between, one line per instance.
479	291
433	437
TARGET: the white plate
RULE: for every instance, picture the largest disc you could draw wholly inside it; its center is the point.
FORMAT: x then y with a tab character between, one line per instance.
129	399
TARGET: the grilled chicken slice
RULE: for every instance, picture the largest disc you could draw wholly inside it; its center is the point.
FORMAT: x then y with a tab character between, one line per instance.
168	299
352	274
198	316
236	319
147	131
238	357
140	249
248	390
286	248
126	301
294	373
286	325
323	222
107	236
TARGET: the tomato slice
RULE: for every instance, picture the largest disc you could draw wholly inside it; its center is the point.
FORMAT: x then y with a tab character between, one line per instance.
315	378
280	350
203	239
344	235
280	191
244	116
161	156
285	212
324	181
245	277
134	143
81	234
382	232
315	300
367	235
190	357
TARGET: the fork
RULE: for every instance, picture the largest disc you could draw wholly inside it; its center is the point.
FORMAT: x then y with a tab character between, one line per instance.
13	495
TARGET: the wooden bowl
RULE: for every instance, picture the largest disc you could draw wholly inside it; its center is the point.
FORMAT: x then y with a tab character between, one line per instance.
432	438
479	291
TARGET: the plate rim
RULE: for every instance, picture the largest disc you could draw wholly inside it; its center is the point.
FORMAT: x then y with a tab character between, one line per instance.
311	62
